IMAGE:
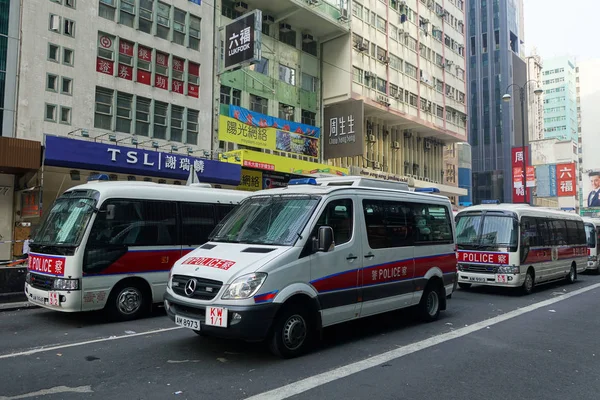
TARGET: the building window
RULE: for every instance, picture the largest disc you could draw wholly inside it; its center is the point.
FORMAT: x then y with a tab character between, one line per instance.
194	32
310	47
69	28
410	70
50	115
259	104
66	86
309	83
107	9
192	127
52	83
161	68
179	27
287	36
68	57
124	109
261	67
127	13
236	97
287	74
160	120
309	117
163	20
193	79
146	16
54	24
381	85
357	75
142	116
53	52
286	112
225	97
176	124
103	108
144	65
70	3
381	24
65	115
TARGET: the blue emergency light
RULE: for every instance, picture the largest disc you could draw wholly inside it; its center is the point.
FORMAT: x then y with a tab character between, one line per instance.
427	190
490	201
98	177
303	181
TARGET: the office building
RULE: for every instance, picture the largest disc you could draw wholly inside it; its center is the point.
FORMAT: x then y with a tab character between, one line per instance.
559	82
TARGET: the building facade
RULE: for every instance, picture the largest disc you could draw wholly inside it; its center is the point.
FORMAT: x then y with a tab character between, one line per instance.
535	105
495	41
559	82
9	51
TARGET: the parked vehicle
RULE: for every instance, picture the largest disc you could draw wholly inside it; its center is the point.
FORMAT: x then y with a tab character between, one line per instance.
592	232
515	245
112	244
289	262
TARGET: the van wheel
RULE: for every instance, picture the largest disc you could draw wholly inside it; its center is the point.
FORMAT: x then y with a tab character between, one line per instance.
464	286
429	307
127	301
529	283
572	277
292	333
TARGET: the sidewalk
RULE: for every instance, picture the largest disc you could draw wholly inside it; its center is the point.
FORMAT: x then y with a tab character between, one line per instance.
18	305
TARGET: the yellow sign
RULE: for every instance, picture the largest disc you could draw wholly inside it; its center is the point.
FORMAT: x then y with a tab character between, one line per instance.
251	180
234	131
270	162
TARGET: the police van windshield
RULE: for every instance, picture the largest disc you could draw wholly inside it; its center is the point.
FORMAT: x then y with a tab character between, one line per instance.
590	233
270	220
489	232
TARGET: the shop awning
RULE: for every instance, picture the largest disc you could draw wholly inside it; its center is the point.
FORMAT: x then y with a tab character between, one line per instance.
19	155
269	162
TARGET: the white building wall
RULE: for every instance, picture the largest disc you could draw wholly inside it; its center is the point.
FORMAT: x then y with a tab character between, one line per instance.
6	214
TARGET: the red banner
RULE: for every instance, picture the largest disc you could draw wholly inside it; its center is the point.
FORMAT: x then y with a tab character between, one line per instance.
144	77
480	257
193	68
566	179
178	64
530	176
105	66
259	165
125	72
126	47
144	53
162	59
161	82
177	86
193	90
518	185
47	264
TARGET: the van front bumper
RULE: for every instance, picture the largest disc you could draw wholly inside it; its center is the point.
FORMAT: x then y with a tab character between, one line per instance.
249	323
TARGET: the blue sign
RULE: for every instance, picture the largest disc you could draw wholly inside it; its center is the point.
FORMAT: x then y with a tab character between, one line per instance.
265	121
553	184
545	181
196	1
106	157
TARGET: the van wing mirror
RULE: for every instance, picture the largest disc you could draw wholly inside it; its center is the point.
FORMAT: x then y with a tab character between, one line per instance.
110	212
324	241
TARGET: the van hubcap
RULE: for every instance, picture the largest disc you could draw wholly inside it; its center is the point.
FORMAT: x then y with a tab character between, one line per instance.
529	282
294	332
572	273
129	301
433	302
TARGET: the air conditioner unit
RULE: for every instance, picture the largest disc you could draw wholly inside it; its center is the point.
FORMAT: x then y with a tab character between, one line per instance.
240	6
398	96
425	20
283	27
401	31
313	2
440	12
395	145
402	3
343	15
383	100
268	19
449	63
376	165
372	138
362	46
307	38
384	59
55	23
369	75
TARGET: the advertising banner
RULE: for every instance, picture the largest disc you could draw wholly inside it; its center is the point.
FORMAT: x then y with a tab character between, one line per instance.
591	190
265	121
566	179
251	180
530	176
521	194
545	180
344	125
242	40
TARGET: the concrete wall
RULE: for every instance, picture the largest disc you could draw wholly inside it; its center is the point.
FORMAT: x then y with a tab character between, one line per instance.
12	59
6	215
337	81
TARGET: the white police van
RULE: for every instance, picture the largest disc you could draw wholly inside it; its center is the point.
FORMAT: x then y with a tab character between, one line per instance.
288	262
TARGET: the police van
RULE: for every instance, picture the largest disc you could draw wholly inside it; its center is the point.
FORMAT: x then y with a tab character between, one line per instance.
291	261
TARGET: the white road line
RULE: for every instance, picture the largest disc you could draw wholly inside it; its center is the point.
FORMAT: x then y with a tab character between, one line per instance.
65	346
312	382
54	390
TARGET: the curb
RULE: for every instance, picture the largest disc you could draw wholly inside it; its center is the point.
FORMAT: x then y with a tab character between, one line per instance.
16	306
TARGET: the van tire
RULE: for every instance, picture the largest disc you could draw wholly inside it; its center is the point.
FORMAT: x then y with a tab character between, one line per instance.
431	301
464	286
572	275
529	283
128	300
292	333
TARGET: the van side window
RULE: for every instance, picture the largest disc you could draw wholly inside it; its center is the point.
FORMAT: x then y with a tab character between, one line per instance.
389	223
223	210
545	232
197	222
433	224
560	232
529	233
573	236
338	215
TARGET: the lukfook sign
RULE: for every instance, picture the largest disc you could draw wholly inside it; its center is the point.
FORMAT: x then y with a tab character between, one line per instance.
242	40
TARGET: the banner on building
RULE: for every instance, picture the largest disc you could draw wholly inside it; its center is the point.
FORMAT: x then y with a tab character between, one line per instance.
521	193
265	121
591	189
530	176
251	180
566	179
30	203
243	40
545	180
344	125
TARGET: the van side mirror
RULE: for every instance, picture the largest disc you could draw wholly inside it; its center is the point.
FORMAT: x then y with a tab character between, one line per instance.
110	212
324	240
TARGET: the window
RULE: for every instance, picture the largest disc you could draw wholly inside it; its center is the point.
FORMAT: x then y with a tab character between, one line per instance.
144	66
68	57
357	10
236	97
161	68
286	112
225	96
389	223
124	110
261	67
67	86
357	75
160	120
179	27
127	13
432	223
309	83
65	115
410	70
194	32
310	47
50	113
107	9
69	27
572	233
287	36
309	117
192	126
53	52
259	104
163	20
176	124
54	25
52	82
381	85
70	3
198	221
103	108
146	16
287	74
142	116
381	24
339	216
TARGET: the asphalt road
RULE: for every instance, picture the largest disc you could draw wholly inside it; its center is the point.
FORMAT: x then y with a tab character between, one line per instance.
490	344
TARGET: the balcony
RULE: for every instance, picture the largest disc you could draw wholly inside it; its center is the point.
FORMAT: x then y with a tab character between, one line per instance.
321	18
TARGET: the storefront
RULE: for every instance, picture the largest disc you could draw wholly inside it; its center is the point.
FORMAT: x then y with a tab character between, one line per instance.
266	171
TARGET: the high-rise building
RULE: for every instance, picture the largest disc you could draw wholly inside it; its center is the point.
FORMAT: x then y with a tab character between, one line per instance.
495	44
9	50
559	82
535	105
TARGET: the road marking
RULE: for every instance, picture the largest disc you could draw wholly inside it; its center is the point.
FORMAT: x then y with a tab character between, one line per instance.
54	390
312	382
66	346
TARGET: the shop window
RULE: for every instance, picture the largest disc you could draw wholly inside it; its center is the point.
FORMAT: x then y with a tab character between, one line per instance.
194	32
54	24
309	118
160	120
107	9
288	37
66	86
65	115
198	221
124	109
103	108
163	20
68	57
50	112
53	52
69	27
193	79
309	83
161	68
339	216
179	27
176	124
142	116
177	75
287	74
127	13
144	65
146	16
225	96
192	127
52	82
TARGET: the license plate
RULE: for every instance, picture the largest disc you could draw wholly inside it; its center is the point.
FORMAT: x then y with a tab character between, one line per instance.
501	279
187	322
477	279
53	299
216	316
38	299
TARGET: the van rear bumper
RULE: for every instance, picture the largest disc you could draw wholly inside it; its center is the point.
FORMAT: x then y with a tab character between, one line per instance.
249	323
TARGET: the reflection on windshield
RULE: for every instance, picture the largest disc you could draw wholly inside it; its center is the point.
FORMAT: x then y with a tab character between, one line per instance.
66	222
267	220
488	231
590	235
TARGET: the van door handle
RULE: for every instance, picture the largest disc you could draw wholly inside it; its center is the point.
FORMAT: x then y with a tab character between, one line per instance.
351	257
370	255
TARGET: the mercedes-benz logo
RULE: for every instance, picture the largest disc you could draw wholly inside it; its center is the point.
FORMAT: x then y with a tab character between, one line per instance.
190	287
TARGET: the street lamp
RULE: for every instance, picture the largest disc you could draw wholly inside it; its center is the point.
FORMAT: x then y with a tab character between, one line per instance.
507	98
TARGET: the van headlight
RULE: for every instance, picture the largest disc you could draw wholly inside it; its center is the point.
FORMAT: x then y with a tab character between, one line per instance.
508	269
65	284
245	286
